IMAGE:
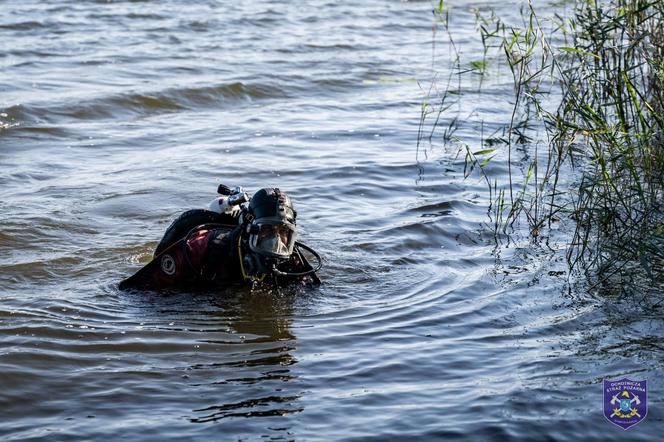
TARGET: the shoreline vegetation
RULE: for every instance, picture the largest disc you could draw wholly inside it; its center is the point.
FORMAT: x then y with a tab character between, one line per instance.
588	85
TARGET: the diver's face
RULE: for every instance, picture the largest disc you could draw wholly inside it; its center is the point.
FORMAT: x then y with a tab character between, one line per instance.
280	232
273	240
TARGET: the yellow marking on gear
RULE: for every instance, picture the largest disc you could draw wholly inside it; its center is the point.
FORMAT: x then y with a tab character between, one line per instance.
239	253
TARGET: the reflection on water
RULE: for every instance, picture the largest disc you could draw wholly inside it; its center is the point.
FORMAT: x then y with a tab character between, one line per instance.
262	320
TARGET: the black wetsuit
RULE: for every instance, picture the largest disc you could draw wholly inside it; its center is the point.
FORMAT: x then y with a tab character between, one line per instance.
209	256
221	263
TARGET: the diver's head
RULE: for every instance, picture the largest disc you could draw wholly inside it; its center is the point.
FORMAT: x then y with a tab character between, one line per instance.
272	230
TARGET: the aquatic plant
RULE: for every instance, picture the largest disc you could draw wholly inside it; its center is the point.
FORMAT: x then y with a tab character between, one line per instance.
590	87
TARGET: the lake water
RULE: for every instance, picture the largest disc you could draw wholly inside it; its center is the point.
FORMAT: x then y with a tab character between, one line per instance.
116	116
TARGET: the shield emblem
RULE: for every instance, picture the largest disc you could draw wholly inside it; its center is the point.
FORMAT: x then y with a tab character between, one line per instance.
625	401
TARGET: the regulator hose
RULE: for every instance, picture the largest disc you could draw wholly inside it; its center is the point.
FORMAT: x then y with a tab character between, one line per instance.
305	273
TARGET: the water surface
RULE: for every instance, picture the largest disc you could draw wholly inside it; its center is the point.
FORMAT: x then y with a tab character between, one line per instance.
116	116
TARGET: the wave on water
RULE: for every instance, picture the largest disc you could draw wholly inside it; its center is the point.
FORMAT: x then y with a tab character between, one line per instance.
141	103
22	26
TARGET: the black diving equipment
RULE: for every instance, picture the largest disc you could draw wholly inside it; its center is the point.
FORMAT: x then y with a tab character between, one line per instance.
255	264
237	239
272	230
269	221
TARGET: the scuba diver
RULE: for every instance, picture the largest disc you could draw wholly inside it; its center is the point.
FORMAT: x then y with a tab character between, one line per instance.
237	240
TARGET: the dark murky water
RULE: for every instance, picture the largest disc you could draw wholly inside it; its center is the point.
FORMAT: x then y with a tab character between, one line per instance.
116	116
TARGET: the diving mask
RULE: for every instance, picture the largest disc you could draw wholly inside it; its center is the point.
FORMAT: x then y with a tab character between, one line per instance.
273	238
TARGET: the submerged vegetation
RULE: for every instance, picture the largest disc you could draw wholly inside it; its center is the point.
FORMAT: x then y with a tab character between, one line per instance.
588	85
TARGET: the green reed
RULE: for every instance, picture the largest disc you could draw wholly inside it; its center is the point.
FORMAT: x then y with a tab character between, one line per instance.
589	87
